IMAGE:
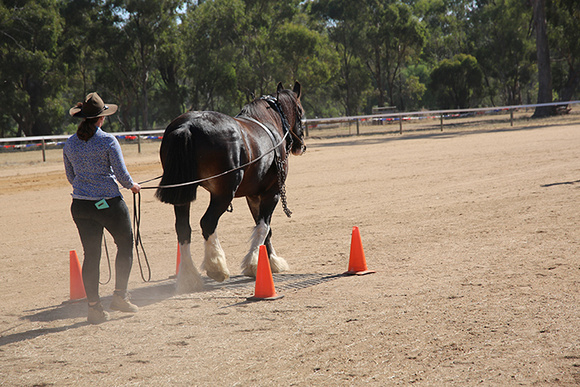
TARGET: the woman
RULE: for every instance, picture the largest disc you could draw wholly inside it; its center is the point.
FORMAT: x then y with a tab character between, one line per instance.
94	164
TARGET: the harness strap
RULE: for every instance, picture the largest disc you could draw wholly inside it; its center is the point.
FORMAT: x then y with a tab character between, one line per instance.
267	130
278	158
274	104
214	176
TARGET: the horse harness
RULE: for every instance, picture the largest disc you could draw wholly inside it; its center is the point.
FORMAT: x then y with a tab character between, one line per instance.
279	159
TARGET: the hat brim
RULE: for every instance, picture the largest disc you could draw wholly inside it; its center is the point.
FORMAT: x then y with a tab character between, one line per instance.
78	112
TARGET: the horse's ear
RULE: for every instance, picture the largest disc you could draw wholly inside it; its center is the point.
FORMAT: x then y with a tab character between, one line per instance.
297	89
279	88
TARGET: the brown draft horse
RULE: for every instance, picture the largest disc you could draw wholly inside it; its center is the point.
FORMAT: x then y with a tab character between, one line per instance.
245	156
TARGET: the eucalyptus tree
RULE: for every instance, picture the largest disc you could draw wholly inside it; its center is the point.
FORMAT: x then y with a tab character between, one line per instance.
81	50
274	42
564	38
504	49
213	50
296	44
543	58
305	54
343	20
457	82
316	63
171	94
131	33
447	27
32	71
394	37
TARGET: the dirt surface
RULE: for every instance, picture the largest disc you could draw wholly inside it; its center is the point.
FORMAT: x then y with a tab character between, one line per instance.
474	236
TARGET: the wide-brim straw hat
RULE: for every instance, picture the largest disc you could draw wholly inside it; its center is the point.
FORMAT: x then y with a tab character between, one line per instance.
92	107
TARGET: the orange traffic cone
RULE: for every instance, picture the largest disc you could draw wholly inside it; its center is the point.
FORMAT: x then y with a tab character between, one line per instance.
264	282
357	263
77	288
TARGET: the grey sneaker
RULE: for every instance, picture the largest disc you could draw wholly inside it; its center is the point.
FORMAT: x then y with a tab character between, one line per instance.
96	314
122	303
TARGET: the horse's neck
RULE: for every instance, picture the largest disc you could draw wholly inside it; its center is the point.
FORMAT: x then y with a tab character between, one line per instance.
276	109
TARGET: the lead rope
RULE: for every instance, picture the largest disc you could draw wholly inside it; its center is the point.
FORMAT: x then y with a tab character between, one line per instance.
137	231
108	261
281	185
214	176
137	203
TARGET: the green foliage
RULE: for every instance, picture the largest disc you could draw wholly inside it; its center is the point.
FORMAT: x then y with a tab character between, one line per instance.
564	25
214	45
391	39
447	26
504	49
342	22
159	58
413	87
31	67
457	82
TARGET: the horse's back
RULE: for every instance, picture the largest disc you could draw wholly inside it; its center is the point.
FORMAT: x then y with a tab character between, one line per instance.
208	124
201	144
188	140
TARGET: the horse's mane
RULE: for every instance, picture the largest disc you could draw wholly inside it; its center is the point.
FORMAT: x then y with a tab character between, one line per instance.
286	99
258	108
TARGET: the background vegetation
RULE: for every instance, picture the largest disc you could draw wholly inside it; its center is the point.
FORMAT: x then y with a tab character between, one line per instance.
159	58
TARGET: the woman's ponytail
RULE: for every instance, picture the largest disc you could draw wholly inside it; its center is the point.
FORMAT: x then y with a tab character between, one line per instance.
87	128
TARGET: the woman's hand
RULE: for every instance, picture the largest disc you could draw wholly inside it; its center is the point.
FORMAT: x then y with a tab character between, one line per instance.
136	188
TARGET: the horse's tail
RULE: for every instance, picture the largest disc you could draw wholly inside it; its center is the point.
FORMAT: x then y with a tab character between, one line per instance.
179	166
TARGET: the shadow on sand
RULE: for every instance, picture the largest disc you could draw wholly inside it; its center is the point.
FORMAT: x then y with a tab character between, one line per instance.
148	294
560	183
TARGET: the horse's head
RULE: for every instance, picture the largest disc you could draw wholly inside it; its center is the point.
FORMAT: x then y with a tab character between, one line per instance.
290	102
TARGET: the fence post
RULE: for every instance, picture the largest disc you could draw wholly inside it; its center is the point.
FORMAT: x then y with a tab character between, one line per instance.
357	128
511	117
400	124
441	121
138	143
43	150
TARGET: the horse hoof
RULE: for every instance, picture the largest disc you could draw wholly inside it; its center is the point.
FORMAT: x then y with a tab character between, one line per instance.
218	276
278	264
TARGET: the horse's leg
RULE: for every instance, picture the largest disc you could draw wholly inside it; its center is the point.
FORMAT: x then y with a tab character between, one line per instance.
214	261
262	208
188	278
250	263
277	263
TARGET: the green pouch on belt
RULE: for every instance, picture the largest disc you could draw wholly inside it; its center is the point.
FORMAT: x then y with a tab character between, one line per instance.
102	204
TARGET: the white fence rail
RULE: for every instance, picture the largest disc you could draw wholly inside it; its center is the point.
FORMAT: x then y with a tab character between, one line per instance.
440	114
41	142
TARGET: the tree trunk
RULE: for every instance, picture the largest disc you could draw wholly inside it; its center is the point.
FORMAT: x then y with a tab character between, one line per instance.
571	85
381	100
145	102
543	54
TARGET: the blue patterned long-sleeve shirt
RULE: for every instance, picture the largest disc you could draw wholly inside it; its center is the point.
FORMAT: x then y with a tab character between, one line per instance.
93	167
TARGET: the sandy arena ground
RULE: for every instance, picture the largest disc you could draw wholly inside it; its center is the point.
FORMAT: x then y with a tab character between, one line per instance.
474	234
